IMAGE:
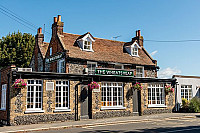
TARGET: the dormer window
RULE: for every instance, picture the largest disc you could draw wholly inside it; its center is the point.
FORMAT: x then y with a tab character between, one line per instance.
87	45
132	49
135	51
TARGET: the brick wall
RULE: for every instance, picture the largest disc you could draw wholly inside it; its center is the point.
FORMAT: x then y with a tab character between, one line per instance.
4	80
56	47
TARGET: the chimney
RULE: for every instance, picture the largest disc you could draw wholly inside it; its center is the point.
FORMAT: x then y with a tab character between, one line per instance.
138	38
39	38
55	19
57	26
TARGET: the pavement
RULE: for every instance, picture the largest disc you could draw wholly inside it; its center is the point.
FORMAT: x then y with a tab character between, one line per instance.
93	122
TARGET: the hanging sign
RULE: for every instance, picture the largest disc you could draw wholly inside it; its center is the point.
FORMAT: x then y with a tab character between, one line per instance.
111	72
55	57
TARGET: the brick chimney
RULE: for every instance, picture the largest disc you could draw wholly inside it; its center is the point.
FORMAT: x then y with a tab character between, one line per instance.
138	38
39	38
57	26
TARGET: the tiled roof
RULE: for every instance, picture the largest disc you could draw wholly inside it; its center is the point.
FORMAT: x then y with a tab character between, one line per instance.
104	50
43	48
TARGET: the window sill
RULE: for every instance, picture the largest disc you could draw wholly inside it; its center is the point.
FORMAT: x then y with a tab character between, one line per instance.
33	111
88	50
62	110
157	106
2	109
112	108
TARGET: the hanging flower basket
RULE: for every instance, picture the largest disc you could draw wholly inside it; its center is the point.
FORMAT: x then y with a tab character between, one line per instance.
168	89
93	85
19	83
137	86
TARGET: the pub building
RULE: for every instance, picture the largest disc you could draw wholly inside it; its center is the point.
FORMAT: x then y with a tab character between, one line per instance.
78	77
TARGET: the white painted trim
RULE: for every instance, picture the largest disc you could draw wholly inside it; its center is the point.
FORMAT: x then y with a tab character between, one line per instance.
87	36
34	111
34	95
3	96
68	100
157	106
62	110
112	107
91	63
105	84
142	70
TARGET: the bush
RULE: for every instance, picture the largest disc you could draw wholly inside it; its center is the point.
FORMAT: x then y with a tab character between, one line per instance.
184	106
194	105
185	103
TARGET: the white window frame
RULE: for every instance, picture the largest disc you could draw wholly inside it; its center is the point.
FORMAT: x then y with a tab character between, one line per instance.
61	69
50	51
90	70
3	96
57	109
34	109
87	45
105	85
189	91
134	50
161	92
140	73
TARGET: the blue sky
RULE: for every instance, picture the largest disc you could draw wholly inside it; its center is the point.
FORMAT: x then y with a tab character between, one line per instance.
157	20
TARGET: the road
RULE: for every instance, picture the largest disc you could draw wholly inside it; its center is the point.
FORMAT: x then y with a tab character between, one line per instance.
184	125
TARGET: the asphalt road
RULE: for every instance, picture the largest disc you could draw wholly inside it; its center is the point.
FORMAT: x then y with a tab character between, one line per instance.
185	125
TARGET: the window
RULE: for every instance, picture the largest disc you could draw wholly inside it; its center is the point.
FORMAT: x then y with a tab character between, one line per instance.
135	51
87	45
156	95
50	51
34	95
112	94
186	92
61	66
139	71
119	66
3	96
62	94
91	67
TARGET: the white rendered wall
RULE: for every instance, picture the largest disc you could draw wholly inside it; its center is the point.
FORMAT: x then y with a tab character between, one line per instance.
195	82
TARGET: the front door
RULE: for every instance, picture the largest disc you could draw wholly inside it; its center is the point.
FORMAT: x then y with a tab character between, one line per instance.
84	102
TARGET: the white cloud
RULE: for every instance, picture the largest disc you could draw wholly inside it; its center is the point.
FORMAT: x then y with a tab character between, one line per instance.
153	53
168	72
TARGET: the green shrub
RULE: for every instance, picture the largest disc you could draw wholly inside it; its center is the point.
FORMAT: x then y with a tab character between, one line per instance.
185	103
194	105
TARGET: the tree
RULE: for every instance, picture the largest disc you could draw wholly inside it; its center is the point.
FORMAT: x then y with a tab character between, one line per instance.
17	49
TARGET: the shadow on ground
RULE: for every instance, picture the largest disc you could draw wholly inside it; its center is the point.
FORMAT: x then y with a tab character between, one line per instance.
188	129
198	116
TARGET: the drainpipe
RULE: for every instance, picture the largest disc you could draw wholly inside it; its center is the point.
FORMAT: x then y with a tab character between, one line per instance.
8	105
76	100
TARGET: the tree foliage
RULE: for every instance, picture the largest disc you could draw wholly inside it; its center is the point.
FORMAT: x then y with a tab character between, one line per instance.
17	49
